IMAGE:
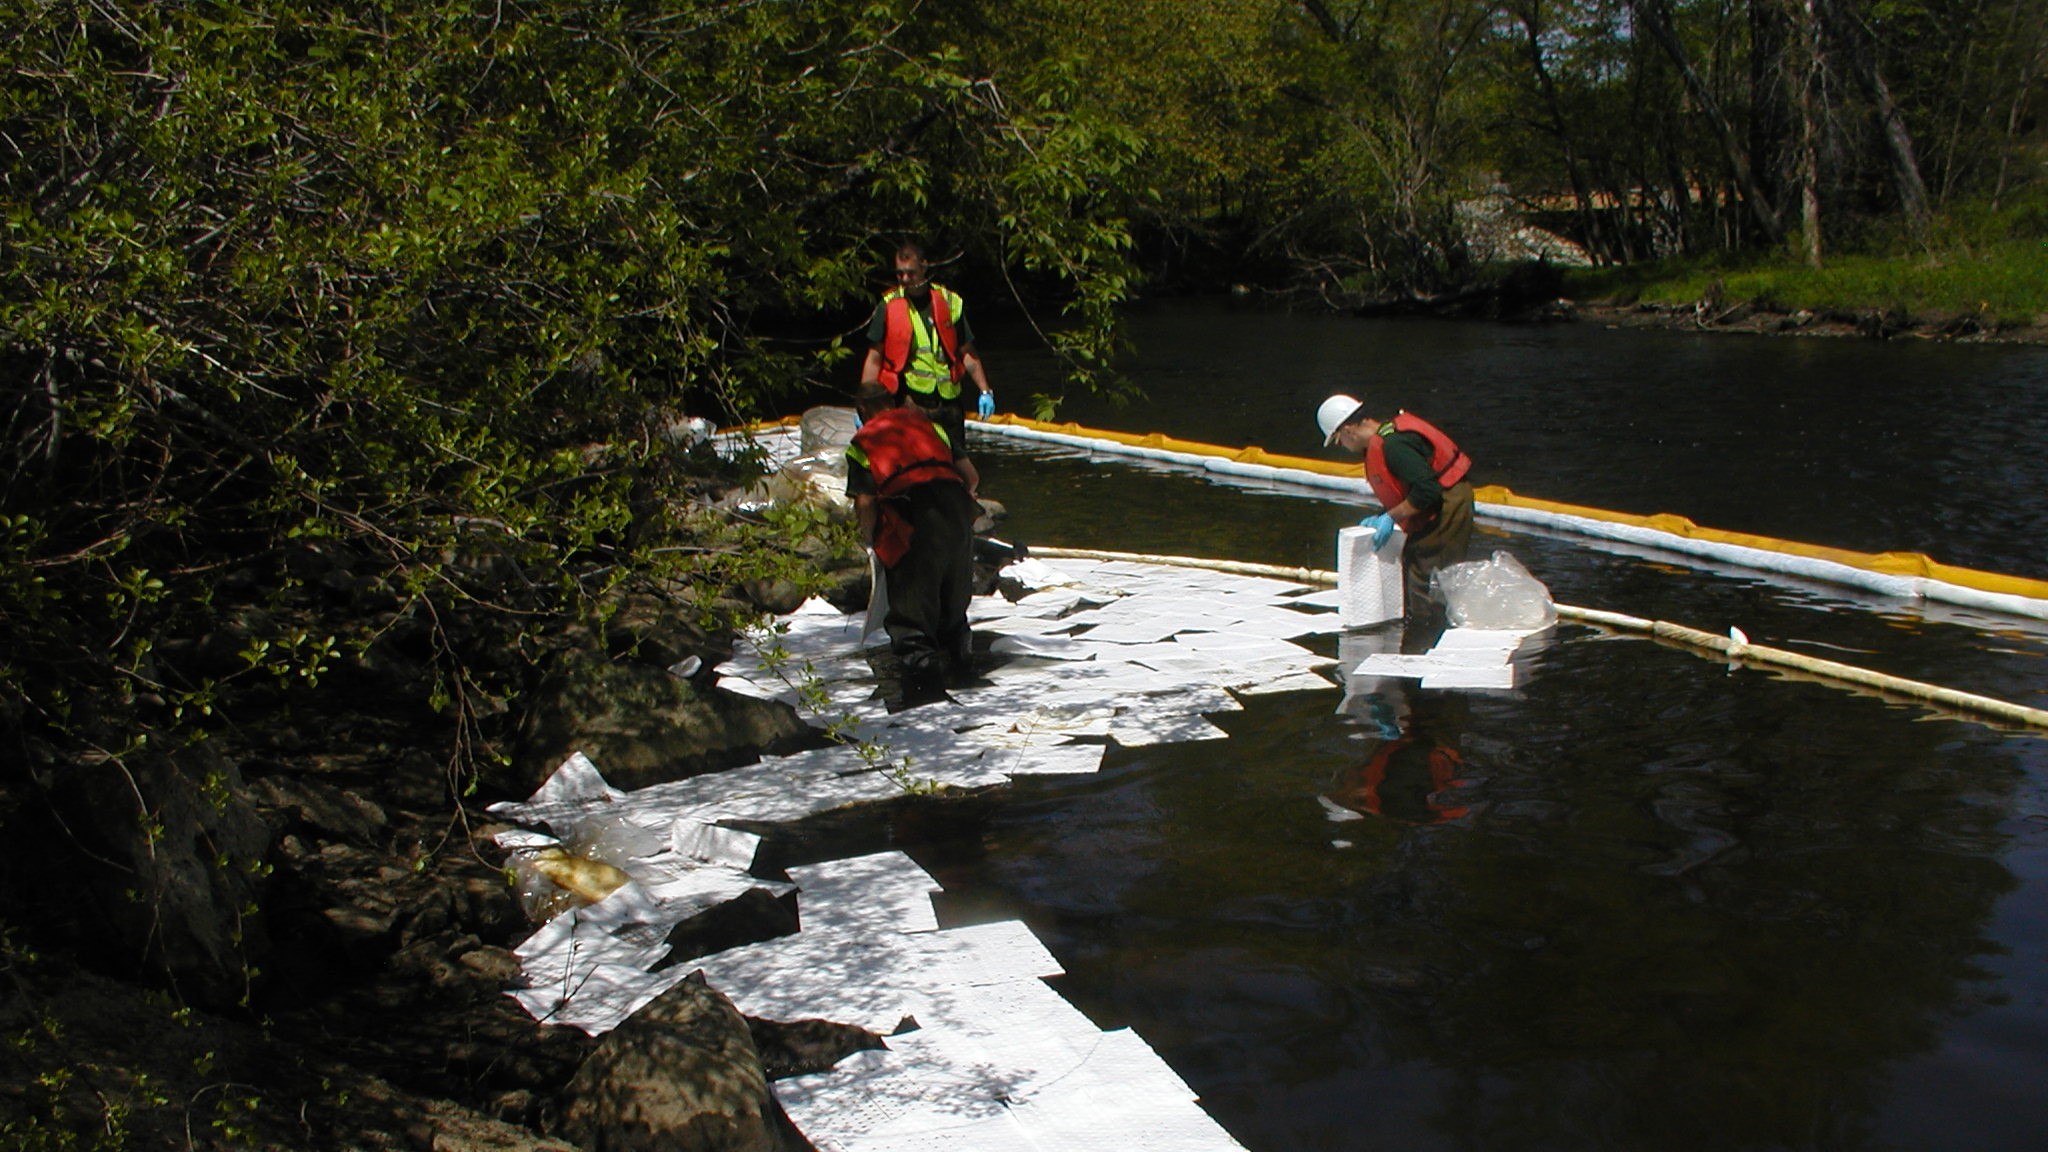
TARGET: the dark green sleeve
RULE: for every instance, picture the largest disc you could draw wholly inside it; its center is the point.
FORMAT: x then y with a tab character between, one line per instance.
1408	460
878	325
859	481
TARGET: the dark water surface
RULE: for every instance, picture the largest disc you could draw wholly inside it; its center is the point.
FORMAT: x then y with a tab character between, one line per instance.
1643	900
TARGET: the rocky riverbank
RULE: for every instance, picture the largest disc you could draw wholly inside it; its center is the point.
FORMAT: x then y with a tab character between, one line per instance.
344	988
1713	314
1537	293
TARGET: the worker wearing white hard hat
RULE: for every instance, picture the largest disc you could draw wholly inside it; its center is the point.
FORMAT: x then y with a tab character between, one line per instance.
1418	474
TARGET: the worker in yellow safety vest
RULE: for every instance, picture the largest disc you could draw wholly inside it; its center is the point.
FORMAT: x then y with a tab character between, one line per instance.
919	344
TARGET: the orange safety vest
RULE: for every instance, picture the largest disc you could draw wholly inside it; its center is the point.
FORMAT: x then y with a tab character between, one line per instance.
1445	459
901	448
900	343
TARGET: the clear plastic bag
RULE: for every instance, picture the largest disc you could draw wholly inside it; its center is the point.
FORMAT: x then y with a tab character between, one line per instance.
825	429
1495	593
615	840
595	857
552	880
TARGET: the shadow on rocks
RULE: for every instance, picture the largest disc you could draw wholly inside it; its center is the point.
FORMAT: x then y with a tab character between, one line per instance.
681	1075
641	725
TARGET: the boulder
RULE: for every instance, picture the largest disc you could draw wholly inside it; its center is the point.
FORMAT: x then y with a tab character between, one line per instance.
802	1047
658	630
775	596
640	725
304	803
750	918
681	1075
153	863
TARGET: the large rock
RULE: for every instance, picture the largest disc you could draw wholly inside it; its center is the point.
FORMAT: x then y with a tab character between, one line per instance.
802	1047
658	630
681	1075
641	725
95	1054
749	918
156	866
299	802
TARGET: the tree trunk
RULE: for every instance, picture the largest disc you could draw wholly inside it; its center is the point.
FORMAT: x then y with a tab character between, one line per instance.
1849	26
1654	18
1553	109
1810	72
2036	61
1771	73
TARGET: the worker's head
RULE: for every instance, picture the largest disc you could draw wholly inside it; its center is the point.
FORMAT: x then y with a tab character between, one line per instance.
873	399
912	269
1342	421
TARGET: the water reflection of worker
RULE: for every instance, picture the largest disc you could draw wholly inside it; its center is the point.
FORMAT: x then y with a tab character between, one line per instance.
1411	772
1418	475
915	512
1406	779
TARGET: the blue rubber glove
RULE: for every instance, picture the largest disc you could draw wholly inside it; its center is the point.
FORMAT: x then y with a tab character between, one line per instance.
986	405
1382	527
1382	714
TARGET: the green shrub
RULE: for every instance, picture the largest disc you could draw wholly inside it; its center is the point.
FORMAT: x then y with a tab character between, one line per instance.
326	324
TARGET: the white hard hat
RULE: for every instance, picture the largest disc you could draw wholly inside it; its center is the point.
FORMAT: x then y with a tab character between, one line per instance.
1336	412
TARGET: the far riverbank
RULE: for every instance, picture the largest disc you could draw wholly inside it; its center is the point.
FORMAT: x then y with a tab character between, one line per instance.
1983	293
1762	318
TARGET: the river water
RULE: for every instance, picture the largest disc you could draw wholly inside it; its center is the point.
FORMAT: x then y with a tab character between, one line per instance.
1643	900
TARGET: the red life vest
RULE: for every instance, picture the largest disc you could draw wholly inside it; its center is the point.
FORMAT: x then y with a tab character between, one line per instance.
1445	459
901	448
898	345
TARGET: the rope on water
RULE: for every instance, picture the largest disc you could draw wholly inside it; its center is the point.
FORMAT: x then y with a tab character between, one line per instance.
1726	647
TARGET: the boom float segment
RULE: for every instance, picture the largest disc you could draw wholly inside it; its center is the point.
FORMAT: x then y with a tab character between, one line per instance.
1909	575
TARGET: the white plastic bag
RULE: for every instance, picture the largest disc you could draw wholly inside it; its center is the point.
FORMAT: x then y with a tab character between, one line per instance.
1495	593
875	634
825	430
613	839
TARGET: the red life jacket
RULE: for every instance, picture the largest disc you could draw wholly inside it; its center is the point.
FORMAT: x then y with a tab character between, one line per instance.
901	448
898	329
1445	459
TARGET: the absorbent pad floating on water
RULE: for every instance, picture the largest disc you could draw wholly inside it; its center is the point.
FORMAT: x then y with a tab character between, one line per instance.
999	1059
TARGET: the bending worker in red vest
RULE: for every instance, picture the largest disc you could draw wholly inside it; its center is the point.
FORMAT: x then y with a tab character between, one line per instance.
1418	476
919	344
915	512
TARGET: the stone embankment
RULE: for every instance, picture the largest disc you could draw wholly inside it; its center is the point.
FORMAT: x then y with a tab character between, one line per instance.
347	988
1713	314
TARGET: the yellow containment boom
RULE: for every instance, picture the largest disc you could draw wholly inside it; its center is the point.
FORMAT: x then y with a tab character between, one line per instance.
1910	575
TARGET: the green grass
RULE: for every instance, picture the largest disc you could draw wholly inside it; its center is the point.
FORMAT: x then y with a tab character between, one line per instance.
1990	264
2005	283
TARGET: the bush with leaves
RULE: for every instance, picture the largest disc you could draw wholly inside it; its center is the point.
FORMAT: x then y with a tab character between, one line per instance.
323	324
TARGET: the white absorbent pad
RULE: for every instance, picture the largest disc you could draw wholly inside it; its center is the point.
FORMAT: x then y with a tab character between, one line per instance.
982	1054
1368	579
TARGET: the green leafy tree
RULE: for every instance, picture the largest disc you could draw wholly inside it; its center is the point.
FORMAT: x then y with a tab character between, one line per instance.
325	326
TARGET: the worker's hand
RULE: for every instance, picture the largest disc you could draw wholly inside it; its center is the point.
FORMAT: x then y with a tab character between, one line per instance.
1383	721
1382	527
987	404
